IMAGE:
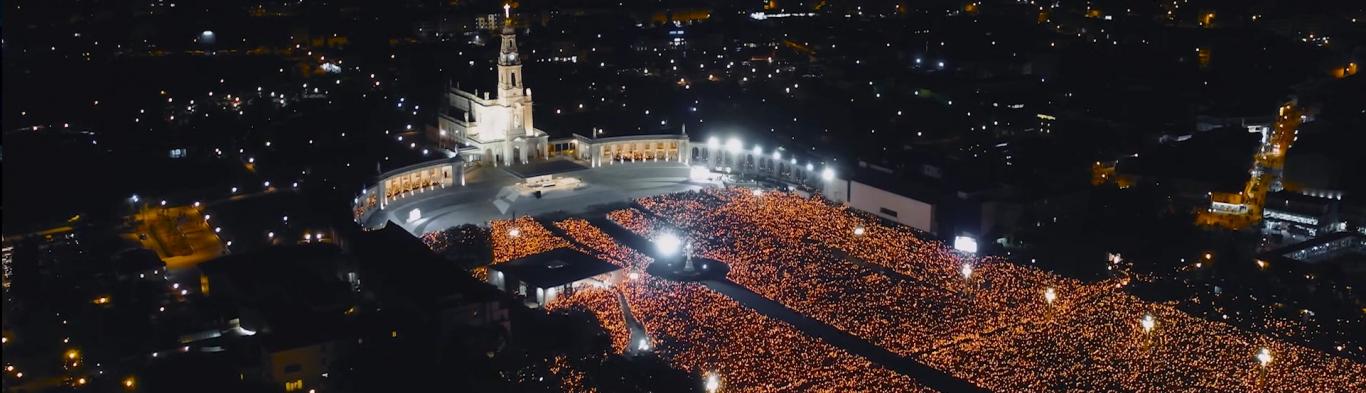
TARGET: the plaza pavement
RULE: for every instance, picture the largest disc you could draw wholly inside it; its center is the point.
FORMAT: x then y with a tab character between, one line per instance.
490	193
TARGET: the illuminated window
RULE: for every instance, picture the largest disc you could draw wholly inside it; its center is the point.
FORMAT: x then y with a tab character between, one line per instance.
294	385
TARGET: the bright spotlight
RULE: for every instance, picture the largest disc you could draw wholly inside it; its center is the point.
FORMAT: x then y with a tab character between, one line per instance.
1264	357
713	383
1148	322
713	143
859	231
734	145
514	232
1049	295
668	244
777	156
966	270
757	150
827	174
965	244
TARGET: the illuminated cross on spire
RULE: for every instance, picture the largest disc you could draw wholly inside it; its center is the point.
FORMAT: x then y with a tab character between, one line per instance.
507	10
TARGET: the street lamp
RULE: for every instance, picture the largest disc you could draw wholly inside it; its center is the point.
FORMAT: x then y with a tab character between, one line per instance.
734	145
965	244
713	383
1264	356
1049	295
1148	322
858	231
966	271
668	244
514	232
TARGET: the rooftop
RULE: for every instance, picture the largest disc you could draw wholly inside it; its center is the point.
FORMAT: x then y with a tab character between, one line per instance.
554	268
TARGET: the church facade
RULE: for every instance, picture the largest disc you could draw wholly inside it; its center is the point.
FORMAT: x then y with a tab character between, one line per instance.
495	130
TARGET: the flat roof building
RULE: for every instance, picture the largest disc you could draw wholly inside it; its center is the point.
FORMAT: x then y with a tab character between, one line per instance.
543	277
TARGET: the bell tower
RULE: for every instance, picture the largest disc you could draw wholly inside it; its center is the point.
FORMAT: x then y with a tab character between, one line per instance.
509	62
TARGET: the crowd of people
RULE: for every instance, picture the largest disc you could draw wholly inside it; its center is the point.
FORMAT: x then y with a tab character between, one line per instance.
697	329
781	246
520	238
603	304
991	323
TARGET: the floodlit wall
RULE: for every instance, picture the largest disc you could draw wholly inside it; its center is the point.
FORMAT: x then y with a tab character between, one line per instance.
885	204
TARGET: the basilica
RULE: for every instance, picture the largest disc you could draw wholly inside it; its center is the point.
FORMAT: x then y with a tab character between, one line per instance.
495	130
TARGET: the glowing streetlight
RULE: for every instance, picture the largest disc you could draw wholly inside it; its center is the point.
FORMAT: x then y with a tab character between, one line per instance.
668	244
965	244
757	150
713	143
1264	357
1049	295
734	145
966	271
828	174
858	231
777	156
713	383
514	232
644	345
1148	322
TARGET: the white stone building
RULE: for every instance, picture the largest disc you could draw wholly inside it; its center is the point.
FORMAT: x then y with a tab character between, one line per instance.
495	130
